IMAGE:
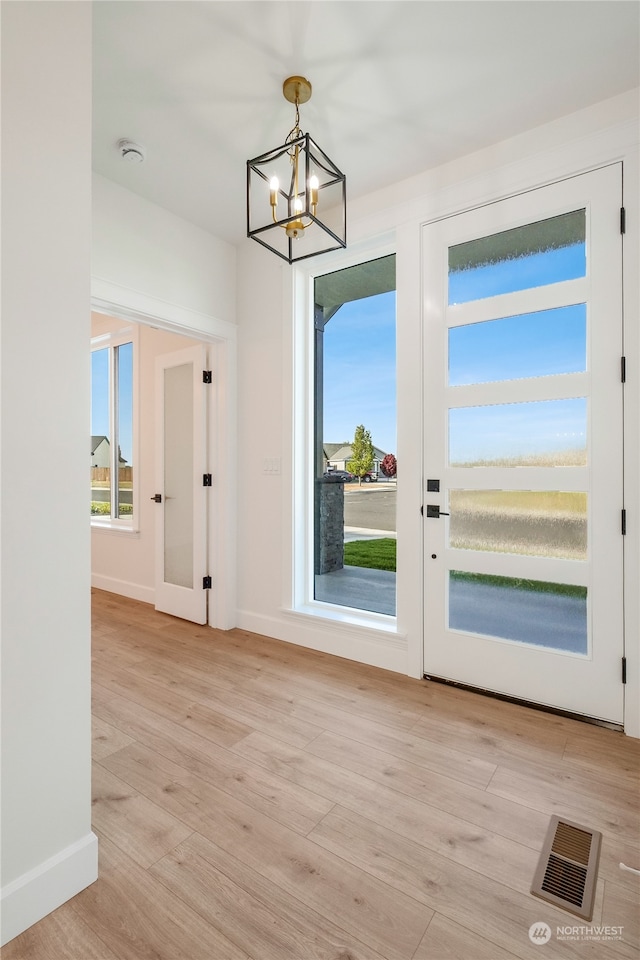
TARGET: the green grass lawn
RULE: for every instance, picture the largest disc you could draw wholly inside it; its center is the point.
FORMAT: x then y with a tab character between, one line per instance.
375	554
537	586
381	555
103	508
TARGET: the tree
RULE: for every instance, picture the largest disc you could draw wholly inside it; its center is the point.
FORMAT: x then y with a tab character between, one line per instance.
389	465
362	449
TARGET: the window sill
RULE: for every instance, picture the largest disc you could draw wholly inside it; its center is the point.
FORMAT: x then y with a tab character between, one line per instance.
349	617
112	526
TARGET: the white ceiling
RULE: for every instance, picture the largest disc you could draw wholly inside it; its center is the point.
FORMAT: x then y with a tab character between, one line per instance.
398	87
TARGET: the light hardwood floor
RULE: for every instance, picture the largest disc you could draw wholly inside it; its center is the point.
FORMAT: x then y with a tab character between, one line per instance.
257	800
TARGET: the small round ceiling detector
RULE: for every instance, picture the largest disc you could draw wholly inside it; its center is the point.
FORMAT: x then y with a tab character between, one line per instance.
130	151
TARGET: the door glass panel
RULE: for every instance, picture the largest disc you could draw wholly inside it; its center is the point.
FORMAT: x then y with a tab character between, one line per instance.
541	523
533	255
178	475
539	433
552	615
124	367
539	344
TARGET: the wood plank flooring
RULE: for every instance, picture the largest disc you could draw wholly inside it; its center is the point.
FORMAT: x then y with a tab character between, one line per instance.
257	801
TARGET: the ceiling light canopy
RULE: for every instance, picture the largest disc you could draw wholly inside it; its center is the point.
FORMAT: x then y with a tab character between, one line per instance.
296	196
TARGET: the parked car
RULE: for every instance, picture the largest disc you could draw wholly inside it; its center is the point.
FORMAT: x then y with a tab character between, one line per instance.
370	478
338	476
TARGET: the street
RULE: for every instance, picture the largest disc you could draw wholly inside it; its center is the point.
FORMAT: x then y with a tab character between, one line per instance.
370	506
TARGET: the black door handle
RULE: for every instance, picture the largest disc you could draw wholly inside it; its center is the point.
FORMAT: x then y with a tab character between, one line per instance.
157	497
435	512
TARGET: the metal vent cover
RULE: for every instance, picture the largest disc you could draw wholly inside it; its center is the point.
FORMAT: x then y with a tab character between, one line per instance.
568	867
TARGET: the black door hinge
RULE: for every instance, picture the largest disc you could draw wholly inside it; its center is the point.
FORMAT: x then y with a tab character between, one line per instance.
623	522
624	669
623	369
206	376
206	583
623	220
206	479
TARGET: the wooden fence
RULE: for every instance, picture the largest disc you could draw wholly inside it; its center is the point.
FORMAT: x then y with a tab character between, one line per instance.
102	474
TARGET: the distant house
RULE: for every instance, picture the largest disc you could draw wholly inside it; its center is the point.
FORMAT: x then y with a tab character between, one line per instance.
337	455
101	452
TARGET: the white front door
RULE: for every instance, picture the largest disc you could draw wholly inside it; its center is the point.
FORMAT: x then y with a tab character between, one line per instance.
181	465
523	446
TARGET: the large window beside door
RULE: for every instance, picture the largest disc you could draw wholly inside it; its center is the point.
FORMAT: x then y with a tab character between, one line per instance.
112	429
355	467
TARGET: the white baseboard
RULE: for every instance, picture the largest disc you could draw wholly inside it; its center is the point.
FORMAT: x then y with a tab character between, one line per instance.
41	890
135	591
339	639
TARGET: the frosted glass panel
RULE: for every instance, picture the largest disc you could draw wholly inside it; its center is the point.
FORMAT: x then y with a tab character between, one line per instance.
528	611
540	433
178	475
530	345
533	255
546	523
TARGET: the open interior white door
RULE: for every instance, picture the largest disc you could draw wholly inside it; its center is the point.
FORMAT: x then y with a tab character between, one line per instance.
523	446
181	493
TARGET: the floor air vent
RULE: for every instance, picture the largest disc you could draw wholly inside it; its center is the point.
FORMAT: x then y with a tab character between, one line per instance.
568	867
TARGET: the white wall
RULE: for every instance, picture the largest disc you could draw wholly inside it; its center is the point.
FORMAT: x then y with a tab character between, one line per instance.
48	850
261	401
266	414
151	267
124	562
142	252
267	343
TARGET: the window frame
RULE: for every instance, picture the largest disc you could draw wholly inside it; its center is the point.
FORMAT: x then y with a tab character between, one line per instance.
301	417
110	341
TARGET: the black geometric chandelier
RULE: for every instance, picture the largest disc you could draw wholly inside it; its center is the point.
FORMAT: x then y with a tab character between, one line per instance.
296	196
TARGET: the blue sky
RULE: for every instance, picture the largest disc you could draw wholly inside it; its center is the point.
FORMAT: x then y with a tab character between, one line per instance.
100	397
517	430
530	345
519	273
360	371
360	363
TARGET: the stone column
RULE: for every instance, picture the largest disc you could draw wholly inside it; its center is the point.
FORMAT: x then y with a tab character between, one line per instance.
329	520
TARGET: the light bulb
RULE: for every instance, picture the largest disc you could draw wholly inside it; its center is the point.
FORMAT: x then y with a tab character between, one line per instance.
313	189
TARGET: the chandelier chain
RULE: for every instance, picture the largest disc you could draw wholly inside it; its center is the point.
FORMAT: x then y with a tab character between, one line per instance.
295	131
